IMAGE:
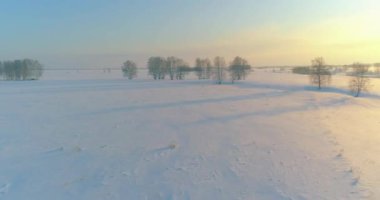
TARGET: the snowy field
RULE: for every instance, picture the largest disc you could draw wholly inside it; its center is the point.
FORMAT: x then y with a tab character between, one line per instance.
92	135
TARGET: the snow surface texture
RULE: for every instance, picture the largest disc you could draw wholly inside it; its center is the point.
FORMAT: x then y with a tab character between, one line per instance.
99	136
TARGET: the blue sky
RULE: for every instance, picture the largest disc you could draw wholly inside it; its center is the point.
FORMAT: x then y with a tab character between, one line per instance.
107	32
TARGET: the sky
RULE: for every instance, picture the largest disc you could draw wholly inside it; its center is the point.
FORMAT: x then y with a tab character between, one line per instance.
105	33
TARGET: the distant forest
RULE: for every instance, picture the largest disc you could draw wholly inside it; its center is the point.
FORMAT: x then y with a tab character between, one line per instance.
26	69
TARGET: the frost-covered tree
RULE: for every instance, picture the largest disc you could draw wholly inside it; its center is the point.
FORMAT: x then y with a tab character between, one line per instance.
319	73
359	82
157	67
239	68
219	69
129	69
203	68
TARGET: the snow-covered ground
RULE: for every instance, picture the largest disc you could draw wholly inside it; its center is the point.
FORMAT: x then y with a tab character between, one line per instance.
94	135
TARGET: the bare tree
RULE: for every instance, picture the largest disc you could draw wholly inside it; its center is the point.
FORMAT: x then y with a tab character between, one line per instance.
239	68
359	81
220	69
203	68
157	67
182	71
319	73
207	68
129	69
173	64
198	68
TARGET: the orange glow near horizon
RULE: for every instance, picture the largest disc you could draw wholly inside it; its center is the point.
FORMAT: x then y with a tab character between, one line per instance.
340	40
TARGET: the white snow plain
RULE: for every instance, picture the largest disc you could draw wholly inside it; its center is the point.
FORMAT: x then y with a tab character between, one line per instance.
92	135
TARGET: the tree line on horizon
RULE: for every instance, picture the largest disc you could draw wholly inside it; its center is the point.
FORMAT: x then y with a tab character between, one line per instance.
177	69
26	69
